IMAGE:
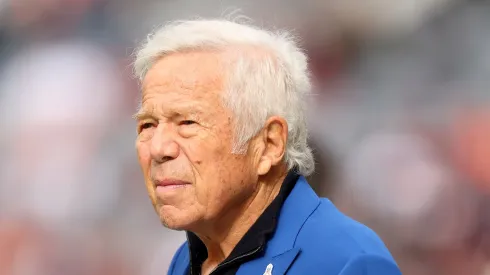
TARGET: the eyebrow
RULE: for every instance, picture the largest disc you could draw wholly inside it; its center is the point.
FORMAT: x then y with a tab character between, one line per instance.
141	114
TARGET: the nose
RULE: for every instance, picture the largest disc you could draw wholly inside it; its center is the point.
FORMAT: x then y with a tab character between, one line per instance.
163	145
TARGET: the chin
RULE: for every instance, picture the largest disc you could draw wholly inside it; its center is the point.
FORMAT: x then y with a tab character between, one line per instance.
175	219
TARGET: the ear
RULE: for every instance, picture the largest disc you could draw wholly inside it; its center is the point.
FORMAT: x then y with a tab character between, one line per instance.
274	137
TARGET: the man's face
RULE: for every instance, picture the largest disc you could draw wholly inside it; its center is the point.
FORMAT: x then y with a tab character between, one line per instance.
185	141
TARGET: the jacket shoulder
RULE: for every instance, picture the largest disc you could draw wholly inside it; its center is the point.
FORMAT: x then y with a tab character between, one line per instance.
180	261
369	264
329	240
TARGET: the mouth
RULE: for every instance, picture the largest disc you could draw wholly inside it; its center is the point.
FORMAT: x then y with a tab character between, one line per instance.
168	184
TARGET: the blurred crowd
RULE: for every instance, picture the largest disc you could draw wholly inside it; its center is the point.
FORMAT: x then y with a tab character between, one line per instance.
399	120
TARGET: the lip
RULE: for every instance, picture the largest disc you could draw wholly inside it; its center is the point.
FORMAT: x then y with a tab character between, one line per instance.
171	183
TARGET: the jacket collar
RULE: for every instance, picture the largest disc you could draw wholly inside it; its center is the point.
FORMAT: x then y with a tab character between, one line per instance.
281	251
253	243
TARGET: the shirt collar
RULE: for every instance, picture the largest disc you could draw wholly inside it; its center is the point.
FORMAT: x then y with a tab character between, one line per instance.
253	242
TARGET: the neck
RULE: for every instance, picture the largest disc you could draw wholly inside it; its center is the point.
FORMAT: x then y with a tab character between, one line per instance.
225	233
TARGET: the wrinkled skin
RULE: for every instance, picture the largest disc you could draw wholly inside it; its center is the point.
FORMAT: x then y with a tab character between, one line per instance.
186	133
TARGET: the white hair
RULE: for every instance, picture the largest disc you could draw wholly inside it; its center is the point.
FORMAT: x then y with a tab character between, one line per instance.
257	87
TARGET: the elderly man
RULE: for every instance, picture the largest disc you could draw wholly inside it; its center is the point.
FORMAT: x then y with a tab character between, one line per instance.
222	143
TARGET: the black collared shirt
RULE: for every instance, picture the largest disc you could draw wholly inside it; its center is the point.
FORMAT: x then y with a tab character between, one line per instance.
253	242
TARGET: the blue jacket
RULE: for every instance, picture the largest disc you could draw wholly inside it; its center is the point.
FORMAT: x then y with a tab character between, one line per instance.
312	237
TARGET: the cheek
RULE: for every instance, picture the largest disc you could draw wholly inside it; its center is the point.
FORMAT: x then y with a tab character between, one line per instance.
144	160
144	157
195	152
232	174
216	168
205	148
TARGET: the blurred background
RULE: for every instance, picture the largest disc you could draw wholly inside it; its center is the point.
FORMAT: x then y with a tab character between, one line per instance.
400	123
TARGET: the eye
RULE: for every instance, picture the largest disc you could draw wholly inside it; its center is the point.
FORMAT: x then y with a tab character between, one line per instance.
187	122
146	125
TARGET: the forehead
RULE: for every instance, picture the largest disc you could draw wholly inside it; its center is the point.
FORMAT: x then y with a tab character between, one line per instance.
195	74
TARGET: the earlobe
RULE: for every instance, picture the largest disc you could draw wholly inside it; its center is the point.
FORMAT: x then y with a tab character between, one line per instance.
264	166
